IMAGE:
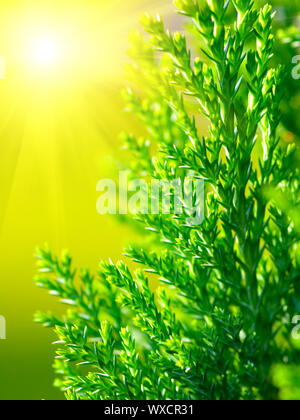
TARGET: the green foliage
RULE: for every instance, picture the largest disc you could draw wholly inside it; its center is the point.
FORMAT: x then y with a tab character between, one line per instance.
286	49
287	379
220	320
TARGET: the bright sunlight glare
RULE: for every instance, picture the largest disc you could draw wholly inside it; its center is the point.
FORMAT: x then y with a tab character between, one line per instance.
45	51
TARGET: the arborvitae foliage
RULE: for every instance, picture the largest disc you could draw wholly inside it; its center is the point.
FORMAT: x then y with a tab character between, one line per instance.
287	27
229	287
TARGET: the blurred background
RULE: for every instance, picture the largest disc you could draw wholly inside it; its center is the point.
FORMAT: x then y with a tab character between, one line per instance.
61	114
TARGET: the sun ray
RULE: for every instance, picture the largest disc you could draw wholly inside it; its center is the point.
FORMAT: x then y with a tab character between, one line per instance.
61	113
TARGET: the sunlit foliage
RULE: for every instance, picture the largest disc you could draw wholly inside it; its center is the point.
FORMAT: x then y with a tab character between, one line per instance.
220	320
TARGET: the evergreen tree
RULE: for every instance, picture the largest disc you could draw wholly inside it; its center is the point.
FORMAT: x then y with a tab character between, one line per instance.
220	319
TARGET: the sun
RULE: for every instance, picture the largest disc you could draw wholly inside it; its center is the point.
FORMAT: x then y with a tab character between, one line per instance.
45	51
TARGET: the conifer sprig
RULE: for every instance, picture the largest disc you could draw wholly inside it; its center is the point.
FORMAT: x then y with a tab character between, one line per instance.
216	326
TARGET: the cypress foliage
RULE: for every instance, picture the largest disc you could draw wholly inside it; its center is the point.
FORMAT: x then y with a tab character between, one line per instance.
220	320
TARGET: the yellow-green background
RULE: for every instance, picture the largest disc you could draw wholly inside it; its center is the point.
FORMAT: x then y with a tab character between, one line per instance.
57	129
